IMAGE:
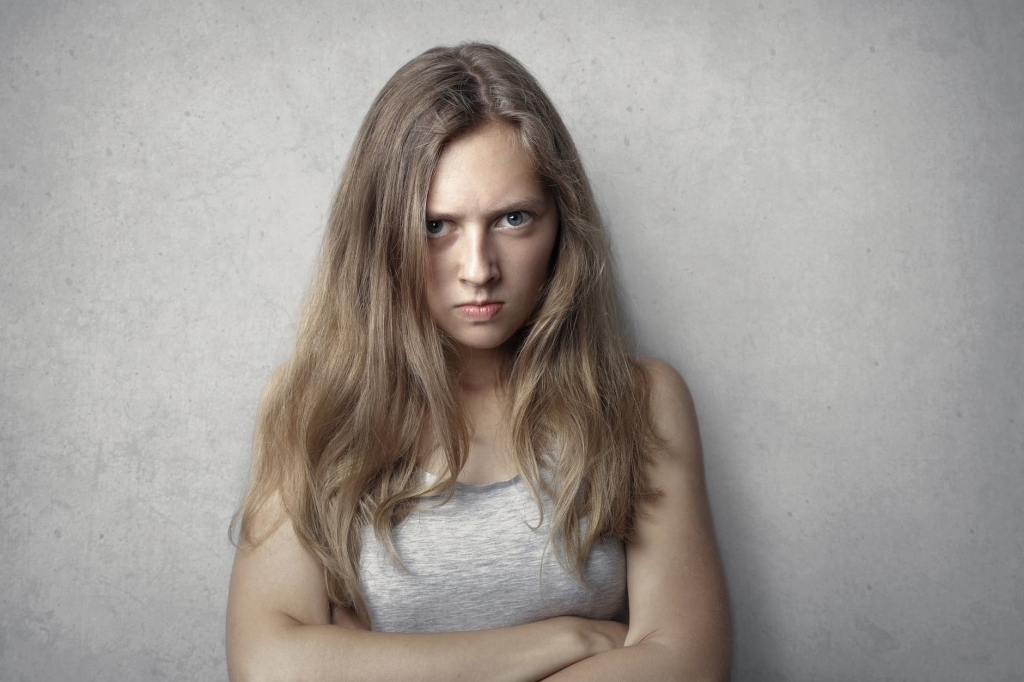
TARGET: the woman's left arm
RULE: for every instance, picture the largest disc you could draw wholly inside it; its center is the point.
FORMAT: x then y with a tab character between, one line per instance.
678	608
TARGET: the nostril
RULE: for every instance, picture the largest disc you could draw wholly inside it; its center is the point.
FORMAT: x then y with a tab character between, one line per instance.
480	271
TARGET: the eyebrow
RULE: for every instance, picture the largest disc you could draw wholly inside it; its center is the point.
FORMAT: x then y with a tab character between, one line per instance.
533	204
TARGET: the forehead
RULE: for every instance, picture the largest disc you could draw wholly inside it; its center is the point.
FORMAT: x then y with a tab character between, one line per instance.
482	169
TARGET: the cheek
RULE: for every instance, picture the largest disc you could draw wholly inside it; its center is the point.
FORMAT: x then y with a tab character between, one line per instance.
539	268
540	260
439	265
431	282
430	275
440	261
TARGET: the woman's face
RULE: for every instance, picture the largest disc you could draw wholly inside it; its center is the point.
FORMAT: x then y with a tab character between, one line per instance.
491	226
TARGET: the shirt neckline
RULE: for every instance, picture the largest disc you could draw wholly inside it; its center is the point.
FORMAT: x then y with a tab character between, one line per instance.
473	487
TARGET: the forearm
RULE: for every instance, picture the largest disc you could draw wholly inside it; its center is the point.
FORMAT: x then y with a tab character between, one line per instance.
328	653
649	660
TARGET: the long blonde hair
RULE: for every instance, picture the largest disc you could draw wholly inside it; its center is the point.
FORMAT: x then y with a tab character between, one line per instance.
370	380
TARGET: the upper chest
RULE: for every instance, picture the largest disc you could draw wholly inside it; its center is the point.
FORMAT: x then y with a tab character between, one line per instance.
488	458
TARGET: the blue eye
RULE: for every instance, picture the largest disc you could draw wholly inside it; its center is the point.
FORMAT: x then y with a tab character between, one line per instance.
516	218
435	227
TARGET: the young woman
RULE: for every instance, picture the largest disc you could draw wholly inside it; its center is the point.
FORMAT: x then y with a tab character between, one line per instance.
460	472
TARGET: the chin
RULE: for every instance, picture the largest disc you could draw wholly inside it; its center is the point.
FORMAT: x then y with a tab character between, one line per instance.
480	341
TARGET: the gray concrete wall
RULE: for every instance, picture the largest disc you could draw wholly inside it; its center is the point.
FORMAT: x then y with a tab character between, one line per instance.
818	218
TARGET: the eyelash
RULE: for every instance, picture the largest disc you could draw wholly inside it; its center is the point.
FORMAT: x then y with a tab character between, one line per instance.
527	218
432	222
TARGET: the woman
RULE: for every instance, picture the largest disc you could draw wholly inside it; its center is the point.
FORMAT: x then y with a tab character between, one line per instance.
460	472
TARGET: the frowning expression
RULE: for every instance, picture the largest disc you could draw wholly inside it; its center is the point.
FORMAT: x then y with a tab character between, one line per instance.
491	226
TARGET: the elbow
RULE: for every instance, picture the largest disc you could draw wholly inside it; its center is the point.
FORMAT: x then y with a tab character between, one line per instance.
259	662
711	667
716	674
692	661
711	664
246	669
289	652
254	671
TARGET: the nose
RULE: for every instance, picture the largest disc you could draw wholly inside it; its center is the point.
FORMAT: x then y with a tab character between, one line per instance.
478	258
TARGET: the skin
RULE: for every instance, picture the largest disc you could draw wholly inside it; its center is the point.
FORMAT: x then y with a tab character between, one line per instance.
280	622
491	226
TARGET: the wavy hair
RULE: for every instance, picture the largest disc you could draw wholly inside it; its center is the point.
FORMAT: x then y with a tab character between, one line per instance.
370	382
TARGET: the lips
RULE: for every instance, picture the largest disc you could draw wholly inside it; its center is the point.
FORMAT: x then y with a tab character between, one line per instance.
479	311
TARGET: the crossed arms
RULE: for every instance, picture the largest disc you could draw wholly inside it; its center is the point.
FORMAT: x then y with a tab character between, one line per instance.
281	628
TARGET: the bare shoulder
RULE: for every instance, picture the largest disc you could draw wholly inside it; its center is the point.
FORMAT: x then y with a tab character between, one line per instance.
665	381
672	409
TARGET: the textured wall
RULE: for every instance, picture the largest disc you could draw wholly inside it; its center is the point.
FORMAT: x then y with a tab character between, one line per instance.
817	216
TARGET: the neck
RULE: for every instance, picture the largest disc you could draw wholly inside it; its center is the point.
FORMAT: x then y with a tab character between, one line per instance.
478	370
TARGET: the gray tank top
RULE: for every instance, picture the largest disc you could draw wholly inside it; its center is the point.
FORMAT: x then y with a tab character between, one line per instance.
475	562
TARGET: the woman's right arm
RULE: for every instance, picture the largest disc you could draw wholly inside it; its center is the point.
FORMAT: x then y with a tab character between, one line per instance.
279	629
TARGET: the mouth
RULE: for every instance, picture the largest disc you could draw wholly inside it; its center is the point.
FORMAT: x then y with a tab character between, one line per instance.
479	311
